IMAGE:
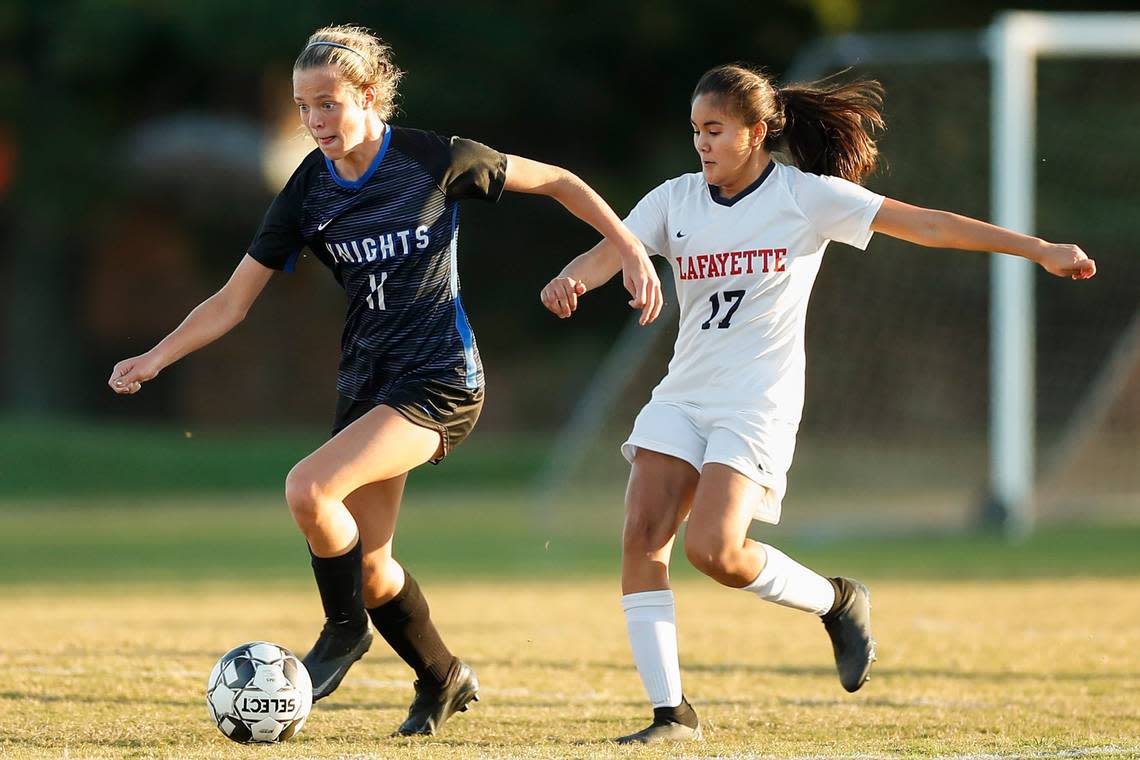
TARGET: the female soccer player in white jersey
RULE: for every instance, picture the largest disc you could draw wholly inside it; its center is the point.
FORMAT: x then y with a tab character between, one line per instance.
378	205
745	237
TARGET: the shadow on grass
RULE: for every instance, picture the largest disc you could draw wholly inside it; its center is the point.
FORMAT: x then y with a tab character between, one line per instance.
21	696
343	707
965	675
822	671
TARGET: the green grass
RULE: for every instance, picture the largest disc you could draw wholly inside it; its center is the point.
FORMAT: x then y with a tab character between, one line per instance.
840	488
46	459
114	609
483	533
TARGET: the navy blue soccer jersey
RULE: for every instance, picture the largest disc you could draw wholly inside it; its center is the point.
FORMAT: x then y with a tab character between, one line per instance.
390	239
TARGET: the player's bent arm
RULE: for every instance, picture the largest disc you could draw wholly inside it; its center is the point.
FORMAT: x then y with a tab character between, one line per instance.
587	271
638	274
207	322
942	229
527	176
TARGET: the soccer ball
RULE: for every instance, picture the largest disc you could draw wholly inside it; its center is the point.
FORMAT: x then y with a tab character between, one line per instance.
259	692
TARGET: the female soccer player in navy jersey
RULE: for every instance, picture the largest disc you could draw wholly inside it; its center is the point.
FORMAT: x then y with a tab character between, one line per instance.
378	204
745	237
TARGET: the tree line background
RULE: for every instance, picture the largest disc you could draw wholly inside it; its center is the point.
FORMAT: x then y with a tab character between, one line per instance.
131	156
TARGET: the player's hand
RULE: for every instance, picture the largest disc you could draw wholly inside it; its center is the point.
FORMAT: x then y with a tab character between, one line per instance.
128	375
1066	260
560	296
641	281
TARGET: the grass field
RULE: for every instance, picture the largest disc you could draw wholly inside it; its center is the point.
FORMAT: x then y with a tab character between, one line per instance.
131	559
1024	669
114	610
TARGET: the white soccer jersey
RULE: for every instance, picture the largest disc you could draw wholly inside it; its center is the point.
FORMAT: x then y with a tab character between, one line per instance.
744	270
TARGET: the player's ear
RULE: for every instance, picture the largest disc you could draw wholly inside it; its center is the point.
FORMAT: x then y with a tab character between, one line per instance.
759	132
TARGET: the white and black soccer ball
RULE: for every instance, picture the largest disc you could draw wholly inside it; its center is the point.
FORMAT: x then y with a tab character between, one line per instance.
259	692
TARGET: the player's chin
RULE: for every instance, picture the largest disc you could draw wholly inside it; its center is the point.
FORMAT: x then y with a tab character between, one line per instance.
332	149
714	178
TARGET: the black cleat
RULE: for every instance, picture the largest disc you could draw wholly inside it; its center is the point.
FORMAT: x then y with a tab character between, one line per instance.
670	724
662	731
332	656
435	704
849	626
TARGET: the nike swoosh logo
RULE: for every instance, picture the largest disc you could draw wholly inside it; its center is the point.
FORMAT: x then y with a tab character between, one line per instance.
324	684
680	234
324	224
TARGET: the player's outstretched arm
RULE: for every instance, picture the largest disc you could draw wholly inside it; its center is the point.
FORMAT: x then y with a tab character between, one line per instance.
589	270
210	320
638	274
942	229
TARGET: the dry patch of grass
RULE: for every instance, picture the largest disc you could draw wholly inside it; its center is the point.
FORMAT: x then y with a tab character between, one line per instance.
1027	669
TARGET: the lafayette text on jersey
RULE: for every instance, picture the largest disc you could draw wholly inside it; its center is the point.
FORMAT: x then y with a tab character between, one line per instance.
744	270
390	239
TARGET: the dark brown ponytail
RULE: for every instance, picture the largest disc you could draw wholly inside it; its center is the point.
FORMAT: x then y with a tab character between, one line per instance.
825	127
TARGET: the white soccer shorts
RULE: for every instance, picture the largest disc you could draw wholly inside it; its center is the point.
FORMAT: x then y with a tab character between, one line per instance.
753	445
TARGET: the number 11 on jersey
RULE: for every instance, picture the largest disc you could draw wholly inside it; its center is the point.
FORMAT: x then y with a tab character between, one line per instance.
733	297
375	295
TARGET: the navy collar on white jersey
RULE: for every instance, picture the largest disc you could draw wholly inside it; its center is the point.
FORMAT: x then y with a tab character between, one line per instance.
359	183
714	191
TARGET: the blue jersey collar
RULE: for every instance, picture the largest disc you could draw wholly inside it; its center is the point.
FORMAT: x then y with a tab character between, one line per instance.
359	183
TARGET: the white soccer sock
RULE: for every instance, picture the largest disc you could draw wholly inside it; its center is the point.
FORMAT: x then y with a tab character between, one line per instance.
786	582
651	622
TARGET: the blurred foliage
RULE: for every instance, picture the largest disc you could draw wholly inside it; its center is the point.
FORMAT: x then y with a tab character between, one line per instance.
600	87
521	77
966	14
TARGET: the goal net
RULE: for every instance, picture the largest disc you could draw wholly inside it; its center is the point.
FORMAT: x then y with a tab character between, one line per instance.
896	433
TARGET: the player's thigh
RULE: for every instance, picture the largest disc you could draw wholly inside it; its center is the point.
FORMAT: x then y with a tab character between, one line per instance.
379	446
657	498
375	508
724	503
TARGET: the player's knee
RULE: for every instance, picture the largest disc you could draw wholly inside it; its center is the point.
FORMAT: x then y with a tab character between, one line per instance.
709	553
304	495
700	553
644	532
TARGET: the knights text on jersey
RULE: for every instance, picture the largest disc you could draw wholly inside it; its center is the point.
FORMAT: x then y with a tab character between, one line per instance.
744	270
390	239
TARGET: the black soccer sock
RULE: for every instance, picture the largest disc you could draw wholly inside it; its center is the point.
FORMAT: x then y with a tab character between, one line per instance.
405	623
682	713
339	583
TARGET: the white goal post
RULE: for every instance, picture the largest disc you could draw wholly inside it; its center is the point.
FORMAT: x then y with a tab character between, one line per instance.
1015	41
1012	44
